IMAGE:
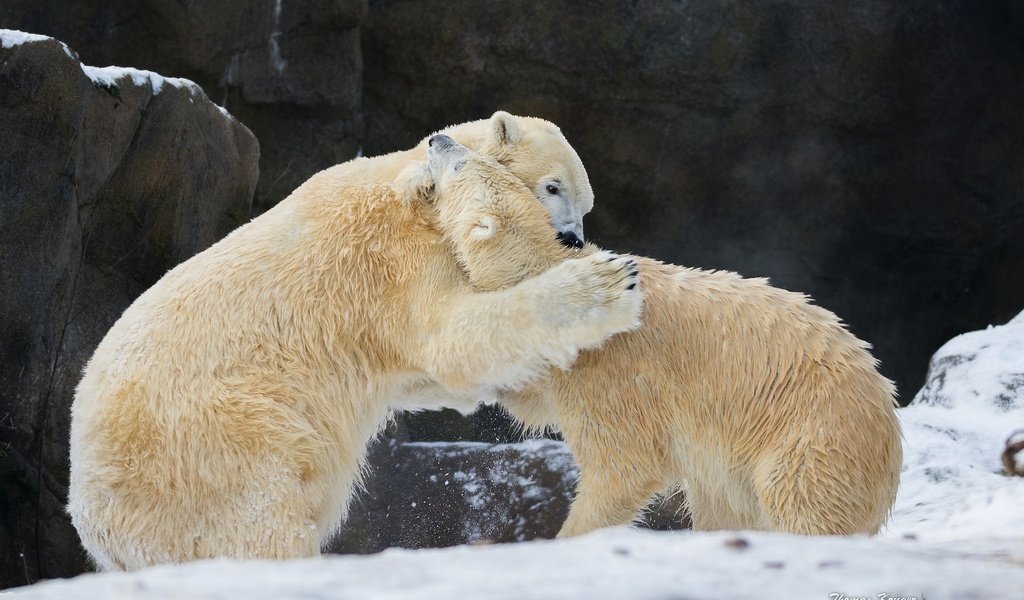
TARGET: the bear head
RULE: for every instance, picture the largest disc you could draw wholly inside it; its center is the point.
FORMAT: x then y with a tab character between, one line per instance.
500	234
536	152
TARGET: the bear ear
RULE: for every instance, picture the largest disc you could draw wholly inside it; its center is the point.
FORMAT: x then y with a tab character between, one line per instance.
505	129
485	228
415	182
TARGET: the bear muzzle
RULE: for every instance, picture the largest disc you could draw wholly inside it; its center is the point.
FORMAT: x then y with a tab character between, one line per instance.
569	239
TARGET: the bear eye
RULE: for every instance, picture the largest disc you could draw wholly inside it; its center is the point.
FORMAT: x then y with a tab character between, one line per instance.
552	189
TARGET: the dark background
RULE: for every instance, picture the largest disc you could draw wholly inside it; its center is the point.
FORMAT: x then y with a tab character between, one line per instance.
869	153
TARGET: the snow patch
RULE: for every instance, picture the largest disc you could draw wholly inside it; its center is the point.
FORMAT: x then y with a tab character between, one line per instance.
109	76
610	564
9	38
104	76
224	111
952	485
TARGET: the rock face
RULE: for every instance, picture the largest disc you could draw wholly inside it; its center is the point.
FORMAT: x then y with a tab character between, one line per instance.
290	71
983	368
431	495
107	180
866	153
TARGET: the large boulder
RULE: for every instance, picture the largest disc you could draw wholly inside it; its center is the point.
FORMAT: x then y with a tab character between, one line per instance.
431	495
108	178
291	71
867	153
955	463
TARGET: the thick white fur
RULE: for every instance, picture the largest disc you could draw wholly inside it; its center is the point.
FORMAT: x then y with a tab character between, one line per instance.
762	406
534	150
227	411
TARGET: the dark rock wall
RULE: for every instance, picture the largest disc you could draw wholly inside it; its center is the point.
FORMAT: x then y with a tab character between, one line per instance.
103	188
865	153
290	70
870	154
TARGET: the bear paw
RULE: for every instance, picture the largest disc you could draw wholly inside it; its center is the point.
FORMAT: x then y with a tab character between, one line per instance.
600	296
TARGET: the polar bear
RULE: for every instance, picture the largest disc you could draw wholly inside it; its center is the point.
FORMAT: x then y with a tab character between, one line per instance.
226	413
763	407
534	150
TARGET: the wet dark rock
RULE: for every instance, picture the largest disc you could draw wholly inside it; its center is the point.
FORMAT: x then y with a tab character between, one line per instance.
866	153
290	71
430	495
104	186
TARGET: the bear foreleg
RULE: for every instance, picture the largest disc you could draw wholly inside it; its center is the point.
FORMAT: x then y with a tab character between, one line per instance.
506	338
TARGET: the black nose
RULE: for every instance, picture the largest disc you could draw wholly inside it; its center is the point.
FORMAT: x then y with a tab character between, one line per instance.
441	140
569	239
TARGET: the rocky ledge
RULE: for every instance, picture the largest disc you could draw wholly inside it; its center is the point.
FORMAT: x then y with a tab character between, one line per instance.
108	178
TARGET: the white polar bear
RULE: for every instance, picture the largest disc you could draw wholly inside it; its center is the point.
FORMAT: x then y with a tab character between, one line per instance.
226	413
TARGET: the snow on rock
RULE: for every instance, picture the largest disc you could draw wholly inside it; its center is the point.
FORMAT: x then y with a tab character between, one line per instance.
956	428
419	495
10	38
957	530
78	162
110	76
433	495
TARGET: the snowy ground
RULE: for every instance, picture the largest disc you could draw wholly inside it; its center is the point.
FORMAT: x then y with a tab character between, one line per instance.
612	564
957	530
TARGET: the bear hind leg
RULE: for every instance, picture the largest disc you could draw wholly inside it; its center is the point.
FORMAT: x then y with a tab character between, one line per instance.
607	500
712	510
805	492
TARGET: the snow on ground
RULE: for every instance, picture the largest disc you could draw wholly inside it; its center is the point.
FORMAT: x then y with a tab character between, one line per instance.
957	531
612	564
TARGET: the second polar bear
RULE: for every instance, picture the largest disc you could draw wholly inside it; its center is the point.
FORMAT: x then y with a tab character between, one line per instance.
764	407
533	149
226	413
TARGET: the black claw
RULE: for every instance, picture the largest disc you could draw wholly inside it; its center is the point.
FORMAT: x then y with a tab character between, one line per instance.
633	273
630	286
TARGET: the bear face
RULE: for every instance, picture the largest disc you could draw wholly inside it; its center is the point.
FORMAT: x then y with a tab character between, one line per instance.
536	152
532	149
499	233
758	400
